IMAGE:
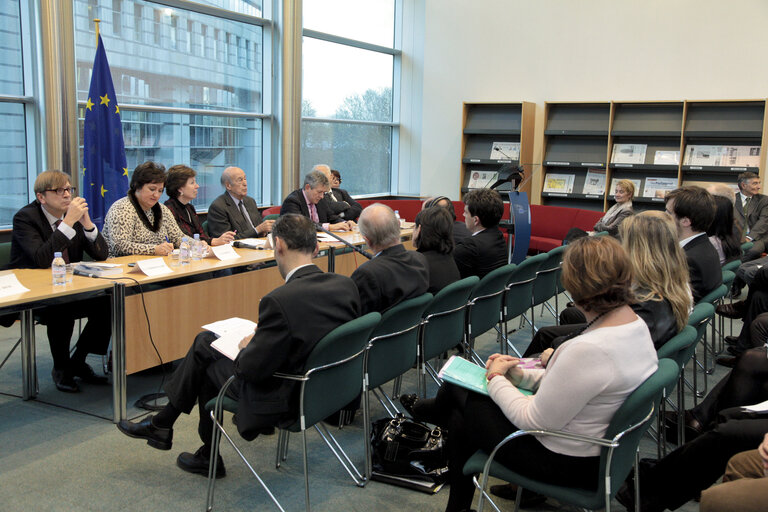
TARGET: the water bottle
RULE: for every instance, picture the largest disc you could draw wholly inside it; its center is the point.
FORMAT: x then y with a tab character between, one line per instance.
399	220
184	250
197	248
58	270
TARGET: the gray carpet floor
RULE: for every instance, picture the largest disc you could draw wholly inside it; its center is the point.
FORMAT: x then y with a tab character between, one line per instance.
61	452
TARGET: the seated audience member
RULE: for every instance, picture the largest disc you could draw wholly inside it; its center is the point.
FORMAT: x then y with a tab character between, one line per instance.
394	274
744	487
693	209
291	322
432	237
485	249
610	222
234	210
460	231
339	200
58	222
308	201
722	233
751	213
597	272
181	187
138	223
748	310
659	282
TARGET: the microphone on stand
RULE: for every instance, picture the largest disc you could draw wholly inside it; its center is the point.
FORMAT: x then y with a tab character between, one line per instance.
345	242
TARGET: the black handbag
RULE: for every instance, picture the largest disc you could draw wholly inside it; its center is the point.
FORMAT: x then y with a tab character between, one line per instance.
409	453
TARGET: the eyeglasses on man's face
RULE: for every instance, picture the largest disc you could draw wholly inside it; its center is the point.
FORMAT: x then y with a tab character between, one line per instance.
62	190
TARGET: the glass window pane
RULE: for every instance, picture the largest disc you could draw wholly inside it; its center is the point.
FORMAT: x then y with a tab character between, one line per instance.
11	70
361	153
343	82
250	7
13	165
208	144
172	57
371	21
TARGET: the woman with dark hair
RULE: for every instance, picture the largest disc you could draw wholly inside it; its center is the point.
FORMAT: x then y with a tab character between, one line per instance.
570	395
433	237
138	223
723	233
181	187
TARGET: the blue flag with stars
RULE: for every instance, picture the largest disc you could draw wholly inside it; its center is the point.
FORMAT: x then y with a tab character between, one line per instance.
105	174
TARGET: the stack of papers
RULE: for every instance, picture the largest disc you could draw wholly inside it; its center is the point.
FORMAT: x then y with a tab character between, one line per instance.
231	332
468	375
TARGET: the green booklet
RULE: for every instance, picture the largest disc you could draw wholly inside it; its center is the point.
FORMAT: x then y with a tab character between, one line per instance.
466	374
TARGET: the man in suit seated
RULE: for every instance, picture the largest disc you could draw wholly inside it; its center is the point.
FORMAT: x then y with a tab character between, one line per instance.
309	202
394	274
693	209
751	213
460	231
485	249
234	210
58	222
338	200
291	322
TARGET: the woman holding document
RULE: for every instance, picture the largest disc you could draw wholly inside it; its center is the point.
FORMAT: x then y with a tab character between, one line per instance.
598	367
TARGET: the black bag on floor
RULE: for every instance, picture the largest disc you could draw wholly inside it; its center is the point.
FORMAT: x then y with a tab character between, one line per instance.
409	453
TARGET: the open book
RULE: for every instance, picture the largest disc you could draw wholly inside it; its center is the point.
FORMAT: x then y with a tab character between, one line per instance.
468	375
230	331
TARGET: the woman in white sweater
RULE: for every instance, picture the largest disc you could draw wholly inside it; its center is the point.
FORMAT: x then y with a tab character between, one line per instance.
587	379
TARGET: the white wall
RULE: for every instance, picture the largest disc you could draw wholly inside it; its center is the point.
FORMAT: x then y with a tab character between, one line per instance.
578	50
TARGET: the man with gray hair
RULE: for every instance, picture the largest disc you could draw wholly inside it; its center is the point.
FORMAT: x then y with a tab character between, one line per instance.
234	210
751	213
308	201
394	274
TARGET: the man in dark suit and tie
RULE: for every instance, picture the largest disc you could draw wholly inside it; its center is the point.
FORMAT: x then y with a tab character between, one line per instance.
58	222
291	322
485	249
310	202
394	274
751	213
693	209
234	210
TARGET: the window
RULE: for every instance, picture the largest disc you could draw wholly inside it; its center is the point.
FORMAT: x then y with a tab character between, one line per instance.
170	67
350	65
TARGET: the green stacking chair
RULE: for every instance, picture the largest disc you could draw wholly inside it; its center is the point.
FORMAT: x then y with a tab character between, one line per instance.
484	307
442	326
545	286
272	216
746	246
5	260
728	277
618	452
205	227
336	363
517	295
714	297
700	317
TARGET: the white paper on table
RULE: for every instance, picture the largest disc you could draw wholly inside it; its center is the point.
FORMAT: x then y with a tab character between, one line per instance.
231	332
10	285
224	252
254	242
325	237
152	267
762	407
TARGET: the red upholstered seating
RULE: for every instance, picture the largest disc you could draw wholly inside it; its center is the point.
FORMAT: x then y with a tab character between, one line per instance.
408	208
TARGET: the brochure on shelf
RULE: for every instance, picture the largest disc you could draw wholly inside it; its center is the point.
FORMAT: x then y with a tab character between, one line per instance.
562	183
628	153
594	182
658	187
666	158
722	156
482	179
505	151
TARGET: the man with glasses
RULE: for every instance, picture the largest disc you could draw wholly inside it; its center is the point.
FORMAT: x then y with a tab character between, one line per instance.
339	201
56	221
234	210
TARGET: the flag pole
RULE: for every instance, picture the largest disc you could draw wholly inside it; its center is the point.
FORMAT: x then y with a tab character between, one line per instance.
96	21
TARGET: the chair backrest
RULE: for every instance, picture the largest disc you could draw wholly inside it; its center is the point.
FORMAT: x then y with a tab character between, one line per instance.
700	317
394	343
272	216
5	255
732	265
517	297
443	325
205	227
486	297
547	276
680	349
336	363
746	246
715	295
635	408
272	210
728	277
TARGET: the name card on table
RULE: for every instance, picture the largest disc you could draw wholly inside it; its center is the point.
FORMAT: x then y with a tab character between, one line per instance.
224	252
10	285
152	267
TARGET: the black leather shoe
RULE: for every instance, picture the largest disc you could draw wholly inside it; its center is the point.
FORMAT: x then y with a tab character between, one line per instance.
693	428
85	373
731	340
728	362
737	310
732	350
160	438
408	401
529	499
198	462
64	381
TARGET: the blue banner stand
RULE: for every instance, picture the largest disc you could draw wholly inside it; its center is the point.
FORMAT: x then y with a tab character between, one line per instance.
520	216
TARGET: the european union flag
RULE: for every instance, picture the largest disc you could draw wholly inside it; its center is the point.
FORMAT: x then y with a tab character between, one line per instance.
105	174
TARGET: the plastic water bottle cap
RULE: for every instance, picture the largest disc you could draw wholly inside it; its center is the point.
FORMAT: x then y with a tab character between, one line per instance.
57	255
197	236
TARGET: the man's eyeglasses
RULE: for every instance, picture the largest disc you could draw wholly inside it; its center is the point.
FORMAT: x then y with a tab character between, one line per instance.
63	190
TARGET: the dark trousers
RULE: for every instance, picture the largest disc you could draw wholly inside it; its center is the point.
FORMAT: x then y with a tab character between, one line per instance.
198	378
475	422
755	252
746	384
551	336
757	304
60	322
684	473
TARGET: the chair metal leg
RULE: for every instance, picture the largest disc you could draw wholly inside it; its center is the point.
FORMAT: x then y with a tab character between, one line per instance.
367	431
340	454
306	468
637	482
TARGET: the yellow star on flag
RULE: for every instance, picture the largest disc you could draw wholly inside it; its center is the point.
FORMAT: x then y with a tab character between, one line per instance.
125	171
83	170
104	100
89	104
117	109
92	184
103	190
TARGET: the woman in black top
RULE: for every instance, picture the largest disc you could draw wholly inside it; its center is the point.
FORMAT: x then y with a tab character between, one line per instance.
433	237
